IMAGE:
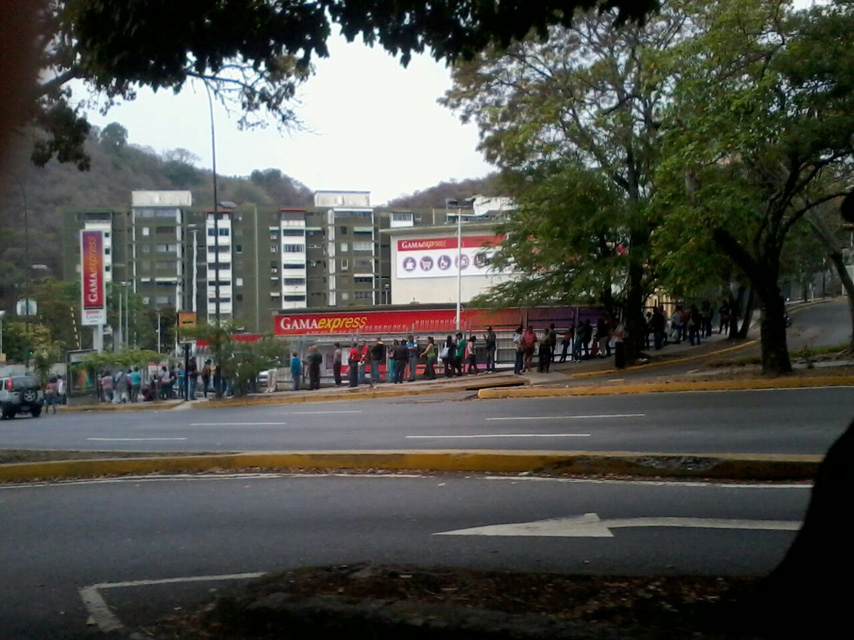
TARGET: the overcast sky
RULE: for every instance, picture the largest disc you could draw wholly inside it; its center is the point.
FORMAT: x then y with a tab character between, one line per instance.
375	126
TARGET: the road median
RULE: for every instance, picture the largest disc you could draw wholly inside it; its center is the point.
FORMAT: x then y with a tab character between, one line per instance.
736	467
669	387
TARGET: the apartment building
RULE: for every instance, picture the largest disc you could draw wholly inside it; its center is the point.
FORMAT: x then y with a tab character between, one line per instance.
250	261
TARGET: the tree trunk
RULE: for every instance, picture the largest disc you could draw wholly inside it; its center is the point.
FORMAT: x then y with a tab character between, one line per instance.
748	314
834	251
635	323
775	351
808	595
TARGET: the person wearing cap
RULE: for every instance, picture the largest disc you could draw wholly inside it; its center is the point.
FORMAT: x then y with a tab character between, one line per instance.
377	356
491	345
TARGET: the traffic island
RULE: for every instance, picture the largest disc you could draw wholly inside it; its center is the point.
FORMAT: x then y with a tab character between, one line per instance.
445	603
734	467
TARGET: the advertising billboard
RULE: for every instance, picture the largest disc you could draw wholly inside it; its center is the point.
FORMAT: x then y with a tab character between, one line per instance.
93	295
437	257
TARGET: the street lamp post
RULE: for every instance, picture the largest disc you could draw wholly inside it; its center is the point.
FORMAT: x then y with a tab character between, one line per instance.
2	315
215	212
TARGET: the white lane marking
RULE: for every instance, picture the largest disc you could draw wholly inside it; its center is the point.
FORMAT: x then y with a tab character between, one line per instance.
236	424
135	439
317	413
503	435
649	483
606	416
590	526
108	621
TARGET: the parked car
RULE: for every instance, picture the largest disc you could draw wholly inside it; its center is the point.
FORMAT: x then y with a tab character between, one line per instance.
20	394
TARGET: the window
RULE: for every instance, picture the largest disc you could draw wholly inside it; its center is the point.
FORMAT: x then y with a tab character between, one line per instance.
146	231
238	248
293	298
364	264
293	248
274	264
343	230
238	282
146	300
106	251
364	295
106	234
363	280
145	248
161	300
293	232
166	213
344	247
274	248
401	217
164	230
293	266
239	297
363	246
345	296
166	248
294	282
345	264
224	231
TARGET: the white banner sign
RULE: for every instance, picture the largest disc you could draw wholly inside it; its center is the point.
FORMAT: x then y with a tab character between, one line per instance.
437	257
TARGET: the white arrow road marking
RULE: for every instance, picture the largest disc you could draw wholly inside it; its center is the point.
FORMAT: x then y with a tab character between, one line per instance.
108	621
613	415
590	526
505	435
135	439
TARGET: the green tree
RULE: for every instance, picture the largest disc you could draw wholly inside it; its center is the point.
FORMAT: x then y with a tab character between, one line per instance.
114	137
251	54
760	135
583	107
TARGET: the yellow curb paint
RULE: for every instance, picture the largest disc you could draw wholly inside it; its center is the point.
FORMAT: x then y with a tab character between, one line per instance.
582	463
138	406
666	363
664	387
352	395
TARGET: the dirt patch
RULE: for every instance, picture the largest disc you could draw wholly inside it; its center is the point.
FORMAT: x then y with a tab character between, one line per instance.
368	601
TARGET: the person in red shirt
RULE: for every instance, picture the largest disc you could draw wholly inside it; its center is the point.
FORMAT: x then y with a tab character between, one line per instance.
353	362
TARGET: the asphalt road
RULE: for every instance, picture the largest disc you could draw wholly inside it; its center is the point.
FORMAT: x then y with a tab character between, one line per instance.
781	421
59	539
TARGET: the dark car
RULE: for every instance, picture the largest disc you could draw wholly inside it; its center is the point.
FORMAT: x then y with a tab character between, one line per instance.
20	394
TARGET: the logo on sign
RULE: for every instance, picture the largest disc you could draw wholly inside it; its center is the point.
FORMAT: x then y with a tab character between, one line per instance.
426	263
463	262
409	264
444	263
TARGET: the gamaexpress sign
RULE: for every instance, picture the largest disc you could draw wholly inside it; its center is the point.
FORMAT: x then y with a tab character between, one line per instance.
381	322
92	287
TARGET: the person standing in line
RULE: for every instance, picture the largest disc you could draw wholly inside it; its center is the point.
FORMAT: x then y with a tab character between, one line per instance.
181	374
566	342
206	376
518	345
578	343
193	375
336	364
695	325
296	370
121	386
430	355
106	387
136	386
364	359
315	359
353	363
460	355
448	356
723	317
707	314
603	337
377	357
552	342
60	390
392	363
491	347
401	355
471	355
412	351
658	324
529	341
51	398
544	353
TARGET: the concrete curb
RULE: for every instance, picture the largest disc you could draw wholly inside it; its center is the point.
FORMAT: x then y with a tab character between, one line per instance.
670	387
138	406
345	396
577	463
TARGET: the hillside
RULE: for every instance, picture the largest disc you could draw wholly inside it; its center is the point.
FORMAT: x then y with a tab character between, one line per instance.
117	169
435	197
